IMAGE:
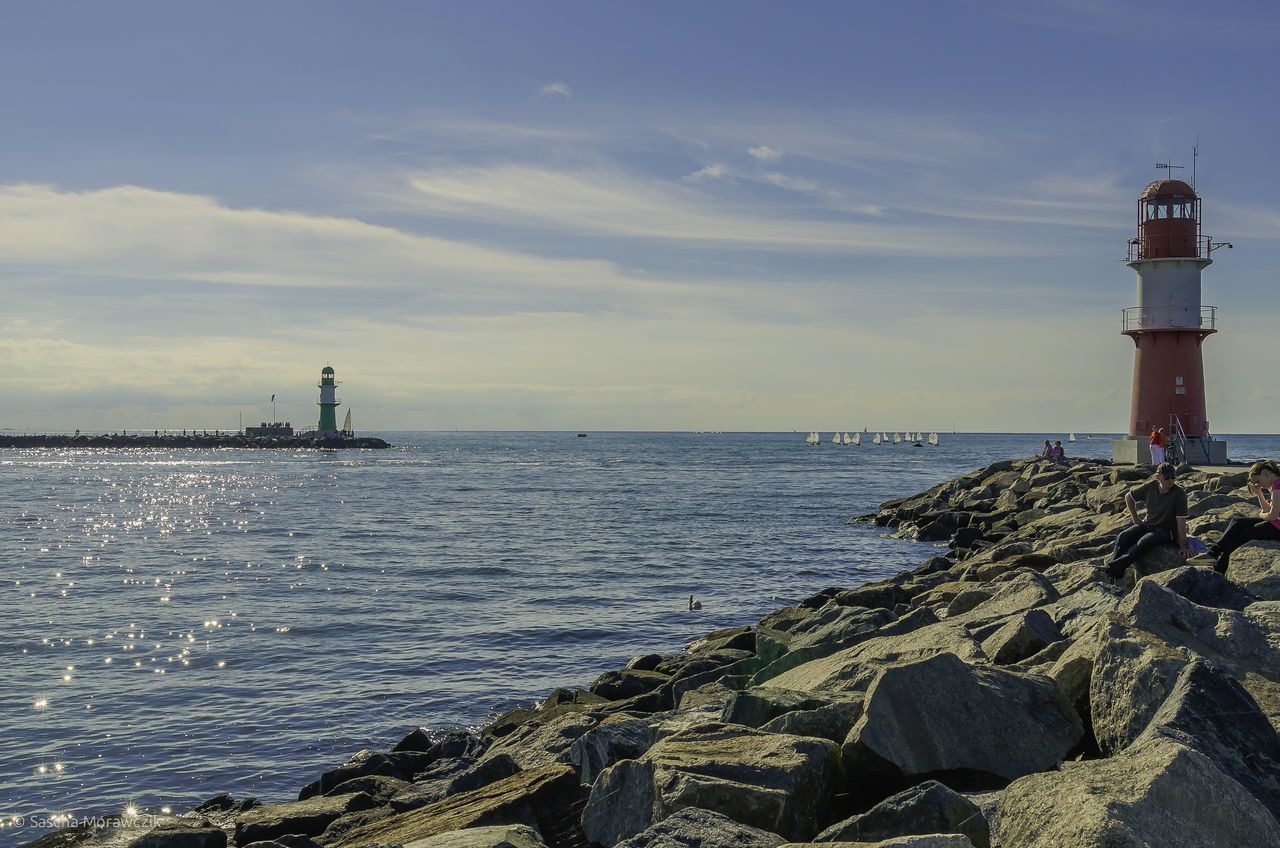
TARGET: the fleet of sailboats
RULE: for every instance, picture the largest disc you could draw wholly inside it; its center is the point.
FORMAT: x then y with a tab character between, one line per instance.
917	439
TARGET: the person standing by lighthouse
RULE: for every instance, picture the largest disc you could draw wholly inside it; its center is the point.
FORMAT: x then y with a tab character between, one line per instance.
1168	327
1157	444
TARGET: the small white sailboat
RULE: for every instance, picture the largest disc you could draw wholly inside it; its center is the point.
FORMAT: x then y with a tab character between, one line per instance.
897	438
846	440
933	439
876	439
857	439
346	425
1071	437
812	438
835	438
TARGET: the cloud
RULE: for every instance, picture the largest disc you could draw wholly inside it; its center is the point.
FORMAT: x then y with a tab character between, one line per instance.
555	88
714	171
793	183
614	203
140	234
765	153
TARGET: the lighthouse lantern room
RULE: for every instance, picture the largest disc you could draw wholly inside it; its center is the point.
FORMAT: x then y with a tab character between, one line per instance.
1168	328
328	428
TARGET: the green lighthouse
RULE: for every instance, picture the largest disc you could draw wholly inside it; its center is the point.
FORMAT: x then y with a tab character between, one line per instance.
328	428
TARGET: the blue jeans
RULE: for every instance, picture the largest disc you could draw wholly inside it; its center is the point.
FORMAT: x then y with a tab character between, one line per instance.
1132	542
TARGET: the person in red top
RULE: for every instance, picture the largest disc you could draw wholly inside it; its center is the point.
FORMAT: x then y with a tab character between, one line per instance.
1158	443
1264	481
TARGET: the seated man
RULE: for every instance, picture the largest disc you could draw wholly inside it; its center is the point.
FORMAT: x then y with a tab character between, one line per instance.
1166	520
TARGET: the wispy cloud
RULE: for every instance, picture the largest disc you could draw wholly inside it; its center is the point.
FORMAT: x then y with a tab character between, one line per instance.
714	171
765	153
794	183
555	88
615	204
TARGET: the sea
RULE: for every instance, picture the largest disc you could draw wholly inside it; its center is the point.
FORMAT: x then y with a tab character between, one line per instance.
184	623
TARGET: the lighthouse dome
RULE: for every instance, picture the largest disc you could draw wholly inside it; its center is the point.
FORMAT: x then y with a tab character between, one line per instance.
327	371
1168	189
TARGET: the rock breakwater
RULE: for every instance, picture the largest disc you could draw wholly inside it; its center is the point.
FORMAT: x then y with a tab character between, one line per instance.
1006	695
194	440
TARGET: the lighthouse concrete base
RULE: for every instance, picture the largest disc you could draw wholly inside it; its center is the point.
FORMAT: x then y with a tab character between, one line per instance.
1134	451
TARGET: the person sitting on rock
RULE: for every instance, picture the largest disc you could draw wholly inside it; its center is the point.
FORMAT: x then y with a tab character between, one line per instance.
1047	453
1264	479
1166	520
1056	453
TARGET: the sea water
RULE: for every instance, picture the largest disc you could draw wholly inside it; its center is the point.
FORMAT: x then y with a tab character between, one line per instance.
181	623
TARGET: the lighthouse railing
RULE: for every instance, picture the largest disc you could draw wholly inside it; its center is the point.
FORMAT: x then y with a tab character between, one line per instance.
1142	247
1137	318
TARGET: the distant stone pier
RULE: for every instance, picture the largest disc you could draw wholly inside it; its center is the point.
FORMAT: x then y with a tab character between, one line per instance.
193	440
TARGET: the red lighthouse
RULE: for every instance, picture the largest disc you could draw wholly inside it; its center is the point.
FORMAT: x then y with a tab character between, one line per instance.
1168	327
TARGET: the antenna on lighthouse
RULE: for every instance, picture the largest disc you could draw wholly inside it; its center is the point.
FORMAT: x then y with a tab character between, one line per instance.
1195	154
1168	168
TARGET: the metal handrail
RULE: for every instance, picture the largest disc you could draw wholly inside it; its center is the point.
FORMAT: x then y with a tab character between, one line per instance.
1162	318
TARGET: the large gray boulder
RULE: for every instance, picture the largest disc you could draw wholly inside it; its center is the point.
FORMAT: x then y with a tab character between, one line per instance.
400	764
493	836
1022	636
757	706
541	742
450	777
1210	713
829	629
1204	586
930	807
519	799
1081	608
302	818
983	725
695	828
615	739
782	784
1159	793
1073	671
1133	673
932	840
832	721
1240	643
183	832
1012	593
854	669
1255	568
840	625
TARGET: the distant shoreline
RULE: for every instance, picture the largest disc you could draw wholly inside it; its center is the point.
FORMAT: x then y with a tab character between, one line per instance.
194	440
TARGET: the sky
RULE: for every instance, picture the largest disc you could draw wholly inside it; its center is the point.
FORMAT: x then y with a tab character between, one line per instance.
621	215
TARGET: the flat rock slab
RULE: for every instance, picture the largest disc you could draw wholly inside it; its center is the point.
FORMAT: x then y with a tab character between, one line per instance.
1159	793
853	669
301	818
771	781
494	836
701	828
929	808
932	840
516	800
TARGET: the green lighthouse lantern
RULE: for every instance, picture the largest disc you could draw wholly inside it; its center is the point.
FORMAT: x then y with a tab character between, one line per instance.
328	428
